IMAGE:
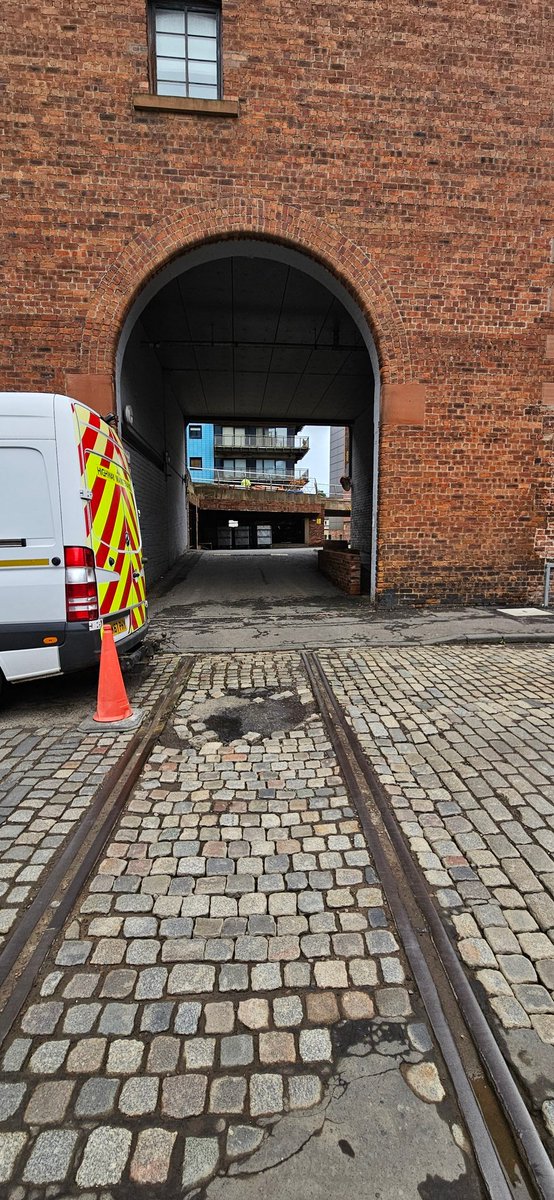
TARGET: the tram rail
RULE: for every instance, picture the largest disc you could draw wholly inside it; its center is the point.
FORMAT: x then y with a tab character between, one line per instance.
25	951
511	1158
504	1137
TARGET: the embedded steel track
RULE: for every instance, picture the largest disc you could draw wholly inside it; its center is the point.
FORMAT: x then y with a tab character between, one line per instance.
507	1147
510	1156
25	951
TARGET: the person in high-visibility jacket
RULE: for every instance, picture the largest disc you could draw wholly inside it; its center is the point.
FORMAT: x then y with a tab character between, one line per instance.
245	483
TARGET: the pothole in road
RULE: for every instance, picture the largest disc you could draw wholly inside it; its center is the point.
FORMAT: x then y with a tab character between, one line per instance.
262	711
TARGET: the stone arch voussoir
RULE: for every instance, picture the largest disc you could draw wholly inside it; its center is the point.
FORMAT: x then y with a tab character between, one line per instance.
154	247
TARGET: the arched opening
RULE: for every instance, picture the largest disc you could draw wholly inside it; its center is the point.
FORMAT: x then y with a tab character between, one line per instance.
243	330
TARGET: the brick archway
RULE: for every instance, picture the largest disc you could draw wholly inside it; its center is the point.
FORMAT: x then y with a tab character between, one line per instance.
153	248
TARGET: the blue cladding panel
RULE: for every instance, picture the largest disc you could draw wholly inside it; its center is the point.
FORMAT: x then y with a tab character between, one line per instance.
201	447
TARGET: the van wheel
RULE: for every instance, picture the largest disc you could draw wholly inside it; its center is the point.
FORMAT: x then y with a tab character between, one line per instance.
3	688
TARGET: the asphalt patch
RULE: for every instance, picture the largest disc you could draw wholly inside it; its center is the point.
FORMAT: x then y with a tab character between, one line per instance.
381	1037
260	713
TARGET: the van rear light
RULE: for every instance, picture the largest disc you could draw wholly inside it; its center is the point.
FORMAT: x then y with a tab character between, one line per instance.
81	594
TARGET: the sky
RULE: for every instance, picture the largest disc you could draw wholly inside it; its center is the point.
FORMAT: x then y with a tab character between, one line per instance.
317	459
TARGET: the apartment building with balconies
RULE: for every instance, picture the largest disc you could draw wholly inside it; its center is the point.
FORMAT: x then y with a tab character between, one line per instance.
265	455
247	488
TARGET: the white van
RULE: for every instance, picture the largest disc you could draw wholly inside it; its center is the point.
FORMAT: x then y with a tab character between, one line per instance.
70	546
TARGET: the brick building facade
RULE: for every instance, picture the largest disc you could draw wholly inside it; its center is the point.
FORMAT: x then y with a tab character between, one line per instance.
405	150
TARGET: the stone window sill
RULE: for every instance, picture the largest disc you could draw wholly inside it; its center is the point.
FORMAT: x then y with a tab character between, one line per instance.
179	104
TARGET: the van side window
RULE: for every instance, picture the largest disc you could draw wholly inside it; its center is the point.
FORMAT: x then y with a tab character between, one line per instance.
25	506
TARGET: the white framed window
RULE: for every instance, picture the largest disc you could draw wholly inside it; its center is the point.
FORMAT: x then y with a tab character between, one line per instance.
185	49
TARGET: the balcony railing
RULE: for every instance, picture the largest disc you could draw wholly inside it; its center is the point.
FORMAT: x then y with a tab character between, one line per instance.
254	441
291	481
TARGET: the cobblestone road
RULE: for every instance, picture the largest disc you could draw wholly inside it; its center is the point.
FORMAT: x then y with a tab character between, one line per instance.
462	739
231	948
49	771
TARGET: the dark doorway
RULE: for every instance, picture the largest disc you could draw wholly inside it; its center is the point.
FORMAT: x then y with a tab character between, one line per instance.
250	530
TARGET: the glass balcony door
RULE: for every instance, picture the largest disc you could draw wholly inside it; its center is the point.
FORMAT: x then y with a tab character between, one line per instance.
233	435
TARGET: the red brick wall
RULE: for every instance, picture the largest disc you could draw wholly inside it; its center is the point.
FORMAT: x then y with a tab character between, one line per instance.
316	532
406	146
343	568
257	500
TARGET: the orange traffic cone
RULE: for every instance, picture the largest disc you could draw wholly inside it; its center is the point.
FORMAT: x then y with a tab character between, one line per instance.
112	704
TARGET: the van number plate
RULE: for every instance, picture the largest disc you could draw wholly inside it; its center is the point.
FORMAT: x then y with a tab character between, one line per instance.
119	626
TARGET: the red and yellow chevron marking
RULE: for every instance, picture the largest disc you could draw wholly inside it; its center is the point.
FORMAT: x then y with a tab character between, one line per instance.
132	522
112	518
137	616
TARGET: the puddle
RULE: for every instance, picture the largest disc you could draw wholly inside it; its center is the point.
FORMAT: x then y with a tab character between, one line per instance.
502	1138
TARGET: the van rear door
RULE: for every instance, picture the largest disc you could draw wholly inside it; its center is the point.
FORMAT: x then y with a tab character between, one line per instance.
114	525
32	592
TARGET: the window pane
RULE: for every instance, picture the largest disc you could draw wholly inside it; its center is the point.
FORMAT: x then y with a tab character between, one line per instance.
170	46
196	464
202	92
202	24
171	68
171	89
195	431
170	22
200	72
203	48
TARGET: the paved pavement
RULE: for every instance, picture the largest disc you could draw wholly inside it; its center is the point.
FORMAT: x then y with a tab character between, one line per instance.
462	739
50	768
229	994
229	1000
277	600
